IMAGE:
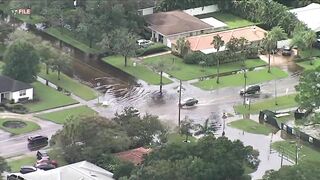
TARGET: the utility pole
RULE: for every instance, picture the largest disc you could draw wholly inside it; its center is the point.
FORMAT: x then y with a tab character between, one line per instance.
179	116
282	152
245	86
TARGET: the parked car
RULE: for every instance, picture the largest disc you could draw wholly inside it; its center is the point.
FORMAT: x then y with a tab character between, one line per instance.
144	43
189	102
45	166
250	90
27	169
286	51
37	139
42	154
14	177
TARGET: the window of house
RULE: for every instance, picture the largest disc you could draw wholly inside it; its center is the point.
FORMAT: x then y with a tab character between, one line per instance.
22	92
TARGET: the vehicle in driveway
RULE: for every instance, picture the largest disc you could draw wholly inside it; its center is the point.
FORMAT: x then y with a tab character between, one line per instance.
286	51
250	90
42	154
144	43
27	169
37	139
189	102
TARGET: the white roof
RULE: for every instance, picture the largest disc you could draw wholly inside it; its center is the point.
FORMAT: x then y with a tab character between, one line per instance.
212	50
78	171
309	15
214	22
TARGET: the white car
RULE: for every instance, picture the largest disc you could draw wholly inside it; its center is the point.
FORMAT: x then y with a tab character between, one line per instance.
144	43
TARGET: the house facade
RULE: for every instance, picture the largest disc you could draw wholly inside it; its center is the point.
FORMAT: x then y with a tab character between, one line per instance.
13	90
146	7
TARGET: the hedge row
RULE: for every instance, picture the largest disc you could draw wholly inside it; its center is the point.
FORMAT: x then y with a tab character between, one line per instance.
155	48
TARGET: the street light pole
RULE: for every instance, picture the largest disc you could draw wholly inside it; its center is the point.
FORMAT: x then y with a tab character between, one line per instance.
224	117
179	116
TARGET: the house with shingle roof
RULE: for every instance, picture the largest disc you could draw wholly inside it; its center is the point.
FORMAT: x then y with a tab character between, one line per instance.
14	90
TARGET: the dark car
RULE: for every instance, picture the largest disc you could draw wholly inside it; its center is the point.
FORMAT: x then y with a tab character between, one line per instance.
14	177
251	90
286	51
45	166
42	154
189	102
27	169
37	139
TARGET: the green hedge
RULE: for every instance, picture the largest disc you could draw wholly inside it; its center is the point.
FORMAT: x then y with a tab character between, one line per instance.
155	48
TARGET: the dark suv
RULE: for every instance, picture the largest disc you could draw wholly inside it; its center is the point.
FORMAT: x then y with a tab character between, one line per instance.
251	90
37	139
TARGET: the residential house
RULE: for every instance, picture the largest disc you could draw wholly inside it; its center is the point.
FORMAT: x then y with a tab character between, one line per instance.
78	171
168	26
14	90
203	42
309	15
134	155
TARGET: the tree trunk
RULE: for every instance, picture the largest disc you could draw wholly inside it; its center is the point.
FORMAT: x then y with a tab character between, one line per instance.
269	66
161	83
218	70
311	62
47	69
125	61
187	136
60	43
59	75
90	43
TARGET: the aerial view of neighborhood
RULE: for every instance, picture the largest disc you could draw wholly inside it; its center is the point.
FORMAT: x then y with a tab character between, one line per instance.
160	89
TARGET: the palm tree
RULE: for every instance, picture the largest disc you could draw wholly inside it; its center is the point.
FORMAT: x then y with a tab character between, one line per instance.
183	46
310	38
269	43
206	128
161	66
185	127
217	43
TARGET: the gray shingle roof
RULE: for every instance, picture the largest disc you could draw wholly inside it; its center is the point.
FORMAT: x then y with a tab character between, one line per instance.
10	85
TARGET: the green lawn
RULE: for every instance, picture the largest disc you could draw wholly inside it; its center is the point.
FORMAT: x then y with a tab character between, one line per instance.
183	71
253	77
314	52
48	98
307	66
1	66
67	38
139	71
70	84
177	138
307	152
15	165
62	116
33	20
251	126
231	20
30	126
269	104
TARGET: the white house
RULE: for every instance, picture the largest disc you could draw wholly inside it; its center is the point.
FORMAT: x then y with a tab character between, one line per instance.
78	171
146	7
11	89
309	15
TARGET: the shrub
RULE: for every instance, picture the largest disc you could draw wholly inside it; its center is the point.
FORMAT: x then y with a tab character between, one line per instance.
155	48
15	108
195	58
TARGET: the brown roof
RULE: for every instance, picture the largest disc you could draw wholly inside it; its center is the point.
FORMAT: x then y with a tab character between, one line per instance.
175	22
201	42
134	155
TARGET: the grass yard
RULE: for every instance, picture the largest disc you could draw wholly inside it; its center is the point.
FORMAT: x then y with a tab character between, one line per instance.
70	84
15	165
67	38
307	66
139	71
314	52
48	98
33	20
307	152
30	126
183	71
62	116
177	138
231	20
253	77
251	126
269	104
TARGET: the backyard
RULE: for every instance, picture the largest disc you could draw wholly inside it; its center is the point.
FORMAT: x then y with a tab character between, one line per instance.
70	84
47	98
180	70
139	71
231	20
251	126
269	104
60	117
253	77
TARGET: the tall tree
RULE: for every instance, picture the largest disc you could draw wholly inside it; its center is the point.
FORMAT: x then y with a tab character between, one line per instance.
59	63
310	38
183	46
186	127
269	43
206	128
217	43
46	54
21	61
120	41
161	66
